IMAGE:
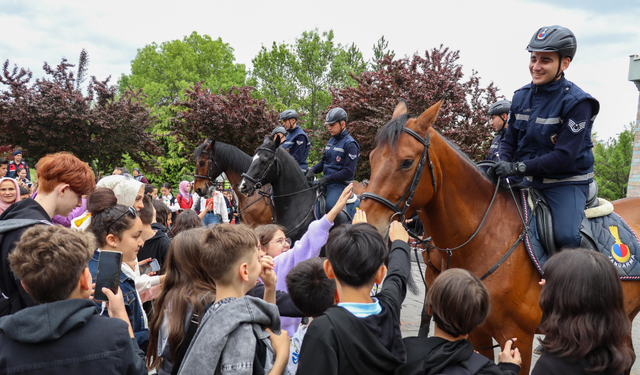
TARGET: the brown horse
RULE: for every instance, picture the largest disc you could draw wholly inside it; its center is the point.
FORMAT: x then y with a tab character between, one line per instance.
213	158
452	200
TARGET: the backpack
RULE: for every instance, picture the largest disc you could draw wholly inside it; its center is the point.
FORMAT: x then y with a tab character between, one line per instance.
6	297
418	349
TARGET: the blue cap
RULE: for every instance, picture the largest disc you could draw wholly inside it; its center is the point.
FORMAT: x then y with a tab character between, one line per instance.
16	152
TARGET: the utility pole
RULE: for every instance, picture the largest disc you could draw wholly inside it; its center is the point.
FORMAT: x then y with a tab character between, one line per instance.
633	187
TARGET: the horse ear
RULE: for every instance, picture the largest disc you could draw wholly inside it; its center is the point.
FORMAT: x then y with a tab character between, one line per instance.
210	145
277	142
401	109
428	117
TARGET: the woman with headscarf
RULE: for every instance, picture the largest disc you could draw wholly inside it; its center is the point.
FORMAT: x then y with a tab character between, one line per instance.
9	193
184	197
128	191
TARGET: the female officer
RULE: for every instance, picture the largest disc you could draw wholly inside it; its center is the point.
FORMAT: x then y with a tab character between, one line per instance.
548	140
338	163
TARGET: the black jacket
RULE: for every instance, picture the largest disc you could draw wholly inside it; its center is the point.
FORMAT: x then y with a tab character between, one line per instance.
67	337
431	355
549	364
25	209
340	343
157	246
283	301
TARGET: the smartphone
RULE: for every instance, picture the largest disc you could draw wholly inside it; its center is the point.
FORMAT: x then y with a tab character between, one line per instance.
108	274
152	266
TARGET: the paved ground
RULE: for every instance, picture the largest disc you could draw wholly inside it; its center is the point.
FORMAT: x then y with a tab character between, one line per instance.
412	308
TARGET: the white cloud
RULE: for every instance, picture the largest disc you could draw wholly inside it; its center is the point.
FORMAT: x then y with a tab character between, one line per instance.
491	35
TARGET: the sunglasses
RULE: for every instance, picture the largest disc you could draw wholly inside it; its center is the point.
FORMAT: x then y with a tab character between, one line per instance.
130	210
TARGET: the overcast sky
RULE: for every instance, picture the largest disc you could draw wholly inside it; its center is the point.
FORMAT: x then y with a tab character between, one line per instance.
491	35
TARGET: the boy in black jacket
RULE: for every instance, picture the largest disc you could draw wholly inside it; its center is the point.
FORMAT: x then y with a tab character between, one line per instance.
65	334
361	335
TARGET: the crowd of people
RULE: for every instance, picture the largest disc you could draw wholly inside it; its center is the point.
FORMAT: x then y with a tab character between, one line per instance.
227	298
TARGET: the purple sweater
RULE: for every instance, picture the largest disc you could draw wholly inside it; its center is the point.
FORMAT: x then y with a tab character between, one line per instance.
307	247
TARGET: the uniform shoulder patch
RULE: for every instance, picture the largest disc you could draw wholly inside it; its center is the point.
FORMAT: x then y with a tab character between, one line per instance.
353	156
299	142
576	127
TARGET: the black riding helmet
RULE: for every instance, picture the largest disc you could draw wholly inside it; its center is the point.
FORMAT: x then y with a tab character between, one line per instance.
554	39
335	115
500	107
279	130
289	113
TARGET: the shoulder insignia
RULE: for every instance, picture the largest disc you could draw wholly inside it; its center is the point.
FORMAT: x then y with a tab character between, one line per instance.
576	127
353	156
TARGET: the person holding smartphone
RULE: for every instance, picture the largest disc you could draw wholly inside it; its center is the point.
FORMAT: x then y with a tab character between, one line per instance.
66	334
118	228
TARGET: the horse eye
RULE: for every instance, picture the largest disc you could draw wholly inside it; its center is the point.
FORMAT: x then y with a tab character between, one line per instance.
407	163
202	163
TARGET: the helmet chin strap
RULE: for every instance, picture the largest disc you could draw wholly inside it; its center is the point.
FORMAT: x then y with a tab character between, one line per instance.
559	73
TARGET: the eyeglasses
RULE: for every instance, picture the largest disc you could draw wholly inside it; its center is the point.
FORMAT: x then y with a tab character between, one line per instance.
282	241
129	210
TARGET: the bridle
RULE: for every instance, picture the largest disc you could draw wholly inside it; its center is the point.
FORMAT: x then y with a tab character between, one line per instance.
257	182
411	190
210	175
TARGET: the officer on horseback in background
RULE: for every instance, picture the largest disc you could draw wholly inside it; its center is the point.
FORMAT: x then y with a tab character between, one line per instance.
297	143
339	160
498	115
548	140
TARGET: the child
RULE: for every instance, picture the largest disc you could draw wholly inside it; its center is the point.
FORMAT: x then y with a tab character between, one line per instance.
361	335
188	288
231	337
587	330
63	180
274	243
458	302
64	334
156	247
312	292
117	227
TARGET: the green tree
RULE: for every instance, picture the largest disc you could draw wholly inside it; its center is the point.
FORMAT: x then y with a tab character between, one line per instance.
163	72
299	76
380	50
613	163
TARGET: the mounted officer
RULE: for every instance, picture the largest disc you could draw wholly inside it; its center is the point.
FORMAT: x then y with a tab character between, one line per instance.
548	140
498	115
339	160
297	142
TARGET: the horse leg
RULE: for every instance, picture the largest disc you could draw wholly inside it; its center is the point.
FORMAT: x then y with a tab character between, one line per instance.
524	342
425	319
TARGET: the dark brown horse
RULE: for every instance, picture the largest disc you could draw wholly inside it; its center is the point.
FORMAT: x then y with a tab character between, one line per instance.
213	158
452	201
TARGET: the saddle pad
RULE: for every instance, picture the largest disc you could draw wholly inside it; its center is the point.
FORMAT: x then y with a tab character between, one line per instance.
614	238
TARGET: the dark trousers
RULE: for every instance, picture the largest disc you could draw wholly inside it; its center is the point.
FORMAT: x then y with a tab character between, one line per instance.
567	208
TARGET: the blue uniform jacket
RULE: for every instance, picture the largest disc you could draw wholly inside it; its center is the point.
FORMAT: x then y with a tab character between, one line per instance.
339	160
495	145
297	145
550	131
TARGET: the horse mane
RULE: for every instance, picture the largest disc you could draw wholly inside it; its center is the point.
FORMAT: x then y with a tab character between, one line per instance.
230	156
390	134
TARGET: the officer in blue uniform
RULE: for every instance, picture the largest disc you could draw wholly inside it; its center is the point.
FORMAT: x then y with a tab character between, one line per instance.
548	140
297	143
339	160
498	115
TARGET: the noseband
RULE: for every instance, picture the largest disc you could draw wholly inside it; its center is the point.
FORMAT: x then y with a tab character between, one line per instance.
258	182
209	177
411	190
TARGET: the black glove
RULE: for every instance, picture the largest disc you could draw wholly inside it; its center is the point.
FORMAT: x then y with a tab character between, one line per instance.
321	181
505	168
310	175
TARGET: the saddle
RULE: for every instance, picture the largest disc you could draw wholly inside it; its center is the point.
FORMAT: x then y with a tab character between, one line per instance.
544	220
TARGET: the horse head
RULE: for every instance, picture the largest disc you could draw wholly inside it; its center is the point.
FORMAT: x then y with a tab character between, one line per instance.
264	167
207	169
397	163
